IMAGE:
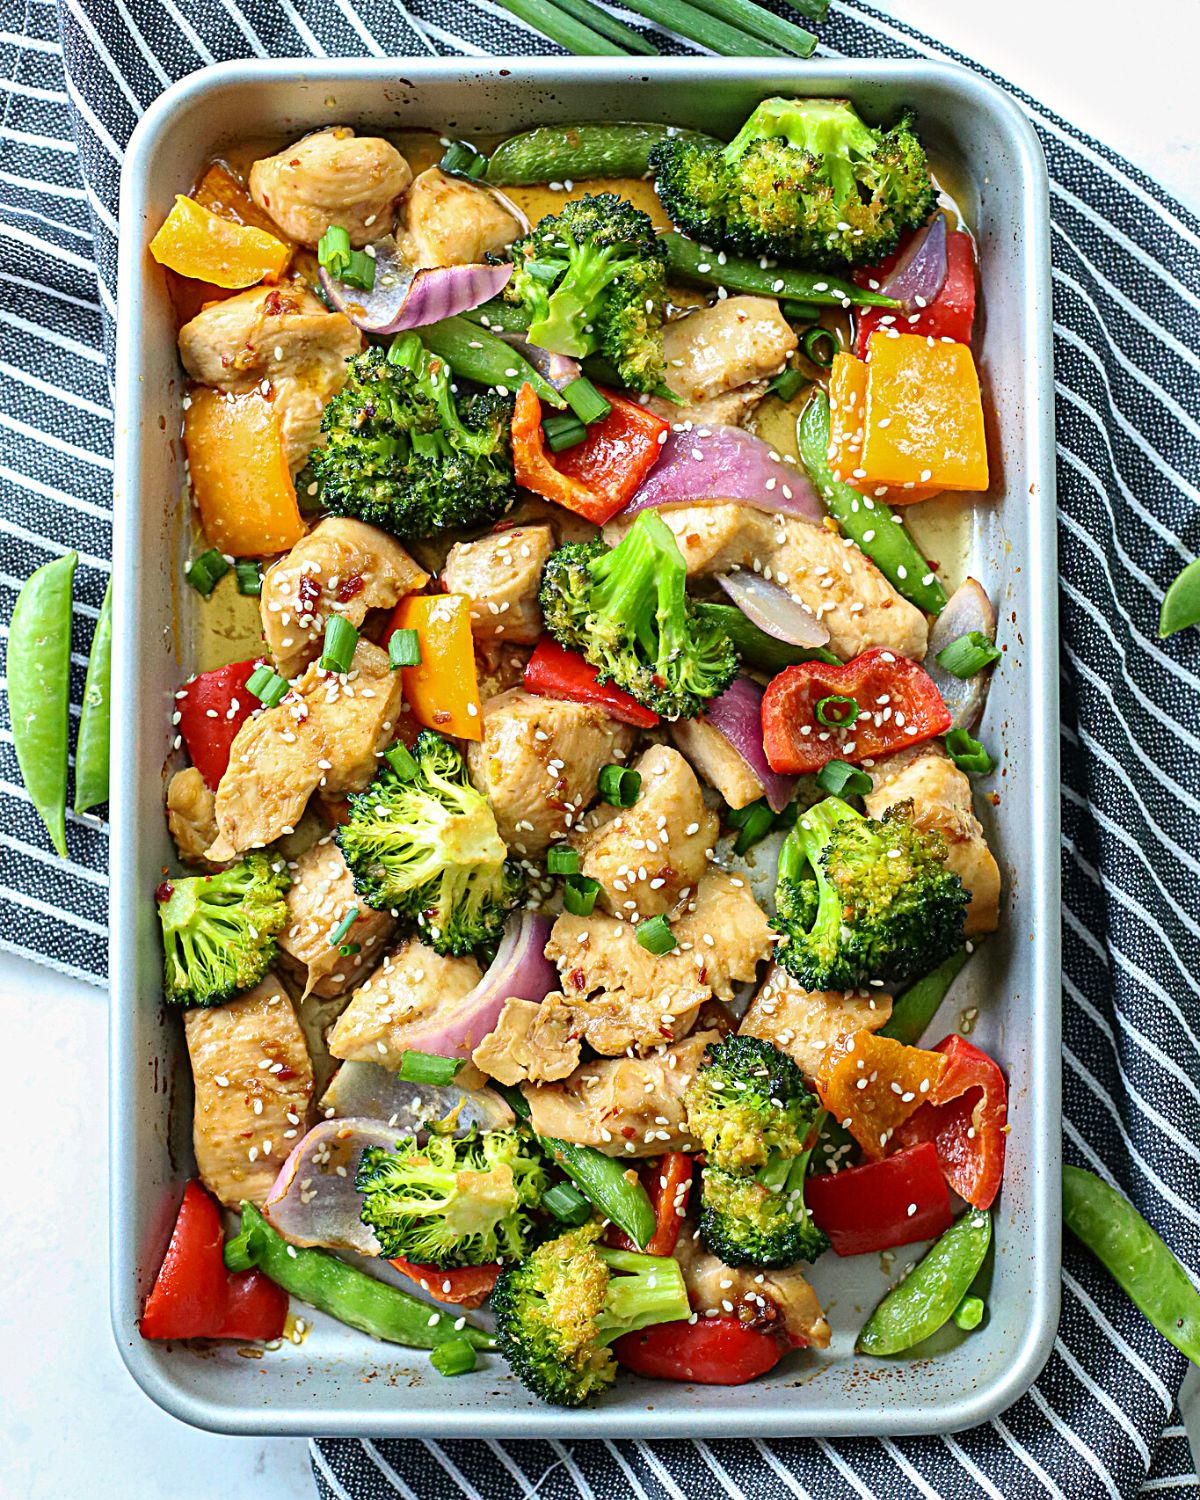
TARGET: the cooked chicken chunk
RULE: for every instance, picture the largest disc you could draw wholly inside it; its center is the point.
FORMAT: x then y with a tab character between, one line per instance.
500	667
282	335
715	1289
635	1108
721	347
531	1043
538	762
941	797
191	815
341	567
500	575
728	410
253	1084
806	1023
326	733
448	222
412	982
650	857
321	893
332	177
717	761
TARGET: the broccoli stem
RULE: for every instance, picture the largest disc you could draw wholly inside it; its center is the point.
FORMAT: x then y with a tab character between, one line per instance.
633	579
572	304
642	1289
800	856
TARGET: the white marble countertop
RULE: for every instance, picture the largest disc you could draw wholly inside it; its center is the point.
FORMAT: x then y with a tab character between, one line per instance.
55	1343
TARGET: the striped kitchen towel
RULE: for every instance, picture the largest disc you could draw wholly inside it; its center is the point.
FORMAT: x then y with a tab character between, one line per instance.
1102	1419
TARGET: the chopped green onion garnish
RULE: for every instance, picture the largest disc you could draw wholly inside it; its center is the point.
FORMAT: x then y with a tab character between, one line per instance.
267	686
656	936
249	577
562	860
585	400
800	312
360	272
454	1357
619	786
404	649
820	346
563	431
337	655
968	654
402	762
756	826
346	949
787	384
428	1067
567	1204
839	779
338	935
462	160
968	754
333	251
206	571
837	711
969	1313
579	895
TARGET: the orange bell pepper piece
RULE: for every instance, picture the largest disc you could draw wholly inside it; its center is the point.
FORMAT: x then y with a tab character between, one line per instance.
203	245
848	412
872	1084
443	691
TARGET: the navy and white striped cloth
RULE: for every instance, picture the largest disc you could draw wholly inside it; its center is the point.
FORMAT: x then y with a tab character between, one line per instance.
1102	1420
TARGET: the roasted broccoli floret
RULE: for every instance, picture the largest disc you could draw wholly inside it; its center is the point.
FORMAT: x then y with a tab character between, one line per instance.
453	1202
593	279
558	1310
760	1218
626	610
804	180
404	454
427	849
747	1100
865	899
219	930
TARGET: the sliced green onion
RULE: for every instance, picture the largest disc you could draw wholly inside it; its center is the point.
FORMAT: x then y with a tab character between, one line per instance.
346	949
333	251
619	786
656	936
788	383
337	654
968	654
267	686
206	571
814	353
567	1204
454	1357
755	826
428	1067
563	430
562	860
462	160
402	762
968	754
249	577
969	1313
836	711
404	649
585	400
579	895
338	935
840	779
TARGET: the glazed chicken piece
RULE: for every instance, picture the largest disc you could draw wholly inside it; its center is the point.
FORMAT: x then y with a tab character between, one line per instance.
941	798
763	1299
412	982
191	815
538	763
730	409
806	1023
531	1043
253	1085
327	733
717	761
282	335
500	574
650	857
332	177
634	1106
321	893
341	567
725	346
448	222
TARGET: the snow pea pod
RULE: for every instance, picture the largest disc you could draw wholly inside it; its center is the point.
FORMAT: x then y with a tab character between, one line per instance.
91	746
38	665
1181	606
475	354
917	1006
932	1290
689	261
576	153
1141	1264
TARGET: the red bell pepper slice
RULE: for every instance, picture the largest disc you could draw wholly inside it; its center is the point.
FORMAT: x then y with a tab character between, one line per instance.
965	1119
710	1351
595	478
951	315
195	1297
464	1286
883	1204
212	708
554	672
668	1184
798	743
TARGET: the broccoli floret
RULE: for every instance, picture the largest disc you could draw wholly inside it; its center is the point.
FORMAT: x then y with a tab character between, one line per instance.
427	849
593	278
759	1219
463	1202
804	180
402	453
219	930
626	610
558	1311
747	1100
864	899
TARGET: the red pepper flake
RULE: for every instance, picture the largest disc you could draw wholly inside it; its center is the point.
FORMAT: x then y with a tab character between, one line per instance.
351	585
164	892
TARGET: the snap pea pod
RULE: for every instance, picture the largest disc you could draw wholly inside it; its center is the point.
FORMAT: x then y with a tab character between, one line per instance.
689	261
499	316
576	153
91	746
874	526
38	665
1181	604
475	354
932	1290
756	648
916	1007
343	1291
1142	1265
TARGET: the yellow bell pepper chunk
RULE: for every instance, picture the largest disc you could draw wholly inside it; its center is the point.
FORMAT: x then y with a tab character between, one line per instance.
847	432
443	691
208	247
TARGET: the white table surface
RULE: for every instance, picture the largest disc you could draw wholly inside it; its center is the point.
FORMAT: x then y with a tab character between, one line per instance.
74	1423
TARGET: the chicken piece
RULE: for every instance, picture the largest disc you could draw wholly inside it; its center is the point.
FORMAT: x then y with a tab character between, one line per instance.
499	667
253	1085
538	762
282	335
634	1108
341	567
531	1043
715	1289
717	761
500	574
806	1023
725	346
728	410
326	733
321	893
941	798
191	815
649	857
448	222
411	983
332	177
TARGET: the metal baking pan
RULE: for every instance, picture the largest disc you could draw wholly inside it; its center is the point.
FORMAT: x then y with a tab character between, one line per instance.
338	1381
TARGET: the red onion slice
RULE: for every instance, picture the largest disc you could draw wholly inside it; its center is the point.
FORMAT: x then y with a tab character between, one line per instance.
368	1091
312	1202
737	714
969	608
714	465
403	298
557	369
920	273
773	609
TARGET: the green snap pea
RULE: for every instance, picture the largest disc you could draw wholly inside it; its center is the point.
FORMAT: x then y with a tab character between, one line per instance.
91	746
577	153
1181	606
874	526
499	316
932	1290
1141	1264
969	1314
476	354
756	648
38	665
916	1007
689	261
